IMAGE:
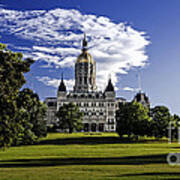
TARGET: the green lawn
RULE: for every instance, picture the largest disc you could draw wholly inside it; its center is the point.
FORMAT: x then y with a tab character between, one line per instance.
84	156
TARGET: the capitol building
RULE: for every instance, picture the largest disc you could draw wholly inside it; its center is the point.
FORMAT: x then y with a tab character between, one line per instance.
98	107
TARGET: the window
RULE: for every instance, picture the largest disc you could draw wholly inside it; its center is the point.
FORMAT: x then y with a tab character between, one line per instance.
93	113
80	80
101	127
85	80
50	104
101	113
91	70
90	80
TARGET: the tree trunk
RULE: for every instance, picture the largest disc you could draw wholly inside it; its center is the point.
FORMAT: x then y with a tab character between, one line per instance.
137	138
70	130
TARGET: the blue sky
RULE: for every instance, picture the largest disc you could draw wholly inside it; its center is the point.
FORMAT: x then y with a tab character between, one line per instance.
114	28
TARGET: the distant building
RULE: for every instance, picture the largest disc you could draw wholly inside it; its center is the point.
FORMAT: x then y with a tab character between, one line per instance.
141	97
51	103
120	101
98	107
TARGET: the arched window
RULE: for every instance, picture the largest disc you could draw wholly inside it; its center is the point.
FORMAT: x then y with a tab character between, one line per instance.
85	80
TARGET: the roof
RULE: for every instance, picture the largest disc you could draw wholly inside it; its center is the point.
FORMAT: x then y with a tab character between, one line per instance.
85	57
62	86
120	98
109	87
140	97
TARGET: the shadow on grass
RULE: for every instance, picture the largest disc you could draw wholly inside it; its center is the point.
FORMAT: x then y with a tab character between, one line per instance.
129	160
151	174
94	140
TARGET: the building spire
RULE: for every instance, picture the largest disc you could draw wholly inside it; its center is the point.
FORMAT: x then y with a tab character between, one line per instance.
139	82
84	43
62	78
110	86
109	76
62	86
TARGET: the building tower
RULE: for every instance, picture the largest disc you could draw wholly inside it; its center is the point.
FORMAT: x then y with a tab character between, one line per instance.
141	97
61	93
85	71
110	105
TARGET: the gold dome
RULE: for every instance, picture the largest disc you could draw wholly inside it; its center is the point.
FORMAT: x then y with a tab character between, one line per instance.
85	57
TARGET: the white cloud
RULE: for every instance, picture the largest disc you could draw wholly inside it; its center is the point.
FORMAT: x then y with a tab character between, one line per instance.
55	82
57	35
131	89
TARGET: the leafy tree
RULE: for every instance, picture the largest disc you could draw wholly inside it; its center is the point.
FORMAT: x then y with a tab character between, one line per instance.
175	124
12	67
132	119
70	117
160	120
32	112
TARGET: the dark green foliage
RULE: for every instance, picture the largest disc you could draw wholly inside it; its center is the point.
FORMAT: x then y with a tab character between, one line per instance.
69	117
32	112
21	113
176	124
132	120
12	67
160	120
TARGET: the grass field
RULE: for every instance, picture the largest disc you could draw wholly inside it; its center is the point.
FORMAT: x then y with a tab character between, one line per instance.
83	156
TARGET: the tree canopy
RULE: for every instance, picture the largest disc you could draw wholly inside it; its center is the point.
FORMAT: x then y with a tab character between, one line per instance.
32	112
70	117
14	112
132	119
161	117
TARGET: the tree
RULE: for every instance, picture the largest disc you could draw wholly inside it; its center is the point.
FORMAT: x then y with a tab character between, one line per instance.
175	126
12	67
69	117
160	120
32	113
132	119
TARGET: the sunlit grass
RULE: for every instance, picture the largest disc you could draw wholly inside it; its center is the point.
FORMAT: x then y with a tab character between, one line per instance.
65	156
